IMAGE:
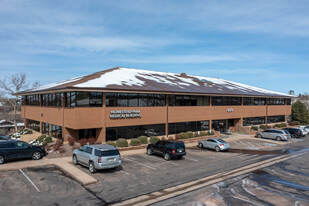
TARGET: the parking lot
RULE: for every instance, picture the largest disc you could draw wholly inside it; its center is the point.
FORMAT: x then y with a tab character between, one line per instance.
147	174
139	174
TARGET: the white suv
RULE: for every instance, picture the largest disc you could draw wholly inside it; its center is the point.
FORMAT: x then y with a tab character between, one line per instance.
96	157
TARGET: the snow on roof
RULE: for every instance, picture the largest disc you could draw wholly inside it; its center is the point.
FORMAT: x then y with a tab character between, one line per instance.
153	81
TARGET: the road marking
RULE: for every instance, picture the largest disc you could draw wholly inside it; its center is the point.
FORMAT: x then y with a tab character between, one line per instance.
242	142
140	164
161	161
253	145
124	172
191	159
29	180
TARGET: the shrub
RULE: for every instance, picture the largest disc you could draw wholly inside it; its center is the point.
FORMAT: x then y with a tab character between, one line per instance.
82	141
26	131
278	125
58	144
190	134
177	136
92	140
135	142
283	125
210	133
42	140
184	135
263	126
203	133
71	141
195	134
143	139
254	128
122	143
171	138
111	143
154	139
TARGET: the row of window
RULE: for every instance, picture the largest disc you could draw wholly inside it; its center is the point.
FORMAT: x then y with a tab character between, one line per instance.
52	100
188	100
225	101
261	120
95	99
175	128
52	130
84	99
134	100
34	125
33	100
253	121
129	132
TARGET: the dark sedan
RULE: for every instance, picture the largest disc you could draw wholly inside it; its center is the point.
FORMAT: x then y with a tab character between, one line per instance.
15	149
295	132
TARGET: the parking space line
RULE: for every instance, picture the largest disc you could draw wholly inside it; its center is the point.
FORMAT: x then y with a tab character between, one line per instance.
159	160
124	172
191	159
242	142
140	164
29	180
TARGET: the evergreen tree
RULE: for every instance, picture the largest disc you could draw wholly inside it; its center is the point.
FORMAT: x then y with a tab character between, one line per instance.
300	112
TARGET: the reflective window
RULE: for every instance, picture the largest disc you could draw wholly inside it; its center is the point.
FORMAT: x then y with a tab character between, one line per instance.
52	100
288	101
253	121
275	119
134	100
275	101
178	127
52	130
188	100
225	101
84	99
129	132
34	125
254	101
33	100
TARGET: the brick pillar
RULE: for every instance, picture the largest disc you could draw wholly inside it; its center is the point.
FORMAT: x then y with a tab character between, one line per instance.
166	122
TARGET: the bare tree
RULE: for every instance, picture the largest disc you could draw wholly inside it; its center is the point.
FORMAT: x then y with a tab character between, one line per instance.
14	84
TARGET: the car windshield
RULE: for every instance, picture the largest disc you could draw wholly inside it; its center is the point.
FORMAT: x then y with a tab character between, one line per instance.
109	153
221	141
286	132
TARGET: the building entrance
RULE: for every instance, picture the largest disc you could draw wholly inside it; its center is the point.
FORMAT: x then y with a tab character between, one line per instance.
223	125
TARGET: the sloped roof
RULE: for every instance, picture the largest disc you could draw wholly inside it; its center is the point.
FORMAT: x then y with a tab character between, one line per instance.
126	79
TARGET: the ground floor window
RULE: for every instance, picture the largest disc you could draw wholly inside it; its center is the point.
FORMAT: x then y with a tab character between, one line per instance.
275	119
52	130
253	121
129	132
178	127
86	133
34	125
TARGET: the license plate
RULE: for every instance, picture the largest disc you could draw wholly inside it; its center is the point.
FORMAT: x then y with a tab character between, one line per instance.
111	160
180	150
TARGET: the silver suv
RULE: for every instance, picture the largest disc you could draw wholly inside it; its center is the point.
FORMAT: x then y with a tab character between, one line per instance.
277	134
96	157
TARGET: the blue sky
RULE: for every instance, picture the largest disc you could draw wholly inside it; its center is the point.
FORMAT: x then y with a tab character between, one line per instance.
260	43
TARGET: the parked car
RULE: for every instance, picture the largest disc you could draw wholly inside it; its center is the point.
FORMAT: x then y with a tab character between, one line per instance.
277	134
214	143
97	157
15	149
4	137
305	129
168	149
295	132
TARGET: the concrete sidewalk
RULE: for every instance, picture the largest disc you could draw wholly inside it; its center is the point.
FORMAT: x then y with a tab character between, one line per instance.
64	164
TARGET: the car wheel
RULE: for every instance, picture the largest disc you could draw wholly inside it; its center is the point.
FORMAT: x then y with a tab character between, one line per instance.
259	136
278	138
149	151
92	169
294	135
1	159
36	155
217	149
167	156
200	145
75	161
